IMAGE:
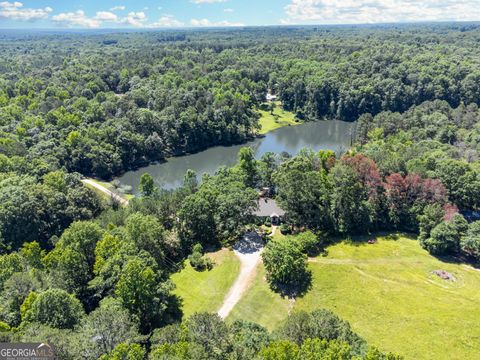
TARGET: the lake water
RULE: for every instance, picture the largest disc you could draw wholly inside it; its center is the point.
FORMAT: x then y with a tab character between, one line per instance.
318	135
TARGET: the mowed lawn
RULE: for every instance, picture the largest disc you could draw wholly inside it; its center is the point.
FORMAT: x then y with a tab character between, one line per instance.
390	297
278	119
205	290
108	186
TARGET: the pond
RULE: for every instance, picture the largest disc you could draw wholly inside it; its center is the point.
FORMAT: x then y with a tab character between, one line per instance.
319	135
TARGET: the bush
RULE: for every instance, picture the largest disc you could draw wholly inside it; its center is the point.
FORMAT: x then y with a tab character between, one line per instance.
267	222
285	229
4	327
309	243
198	261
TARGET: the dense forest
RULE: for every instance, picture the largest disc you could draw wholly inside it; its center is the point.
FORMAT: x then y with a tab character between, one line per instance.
93	277
102	104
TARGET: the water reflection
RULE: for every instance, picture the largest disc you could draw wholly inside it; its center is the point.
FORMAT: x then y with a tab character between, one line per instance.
332	135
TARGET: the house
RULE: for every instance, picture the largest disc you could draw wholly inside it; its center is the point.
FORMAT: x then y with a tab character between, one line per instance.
271	97
265	192
269	208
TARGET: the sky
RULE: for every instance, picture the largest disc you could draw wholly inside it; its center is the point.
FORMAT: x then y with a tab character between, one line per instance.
151	14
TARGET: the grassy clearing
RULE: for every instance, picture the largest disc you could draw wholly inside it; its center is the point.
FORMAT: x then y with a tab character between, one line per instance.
105	184
388	293
260	304
110	187
278	119
205	291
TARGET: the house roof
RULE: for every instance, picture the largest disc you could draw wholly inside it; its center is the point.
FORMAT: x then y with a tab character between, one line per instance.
268	207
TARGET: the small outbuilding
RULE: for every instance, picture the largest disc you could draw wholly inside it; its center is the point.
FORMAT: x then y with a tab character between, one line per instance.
271	97
269	208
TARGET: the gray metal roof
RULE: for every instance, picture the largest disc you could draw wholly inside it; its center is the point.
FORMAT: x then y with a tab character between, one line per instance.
268	207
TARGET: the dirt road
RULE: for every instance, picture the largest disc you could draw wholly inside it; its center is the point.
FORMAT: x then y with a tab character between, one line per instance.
106	191
248	250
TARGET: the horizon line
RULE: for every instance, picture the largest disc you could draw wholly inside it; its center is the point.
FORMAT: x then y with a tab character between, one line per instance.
240	26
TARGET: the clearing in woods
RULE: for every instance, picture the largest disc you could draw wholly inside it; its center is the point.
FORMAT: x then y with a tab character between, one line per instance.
389	294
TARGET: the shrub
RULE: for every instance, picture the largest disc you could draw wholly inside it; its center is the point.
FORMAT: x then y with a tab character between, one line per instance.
309	243
198	261
285	229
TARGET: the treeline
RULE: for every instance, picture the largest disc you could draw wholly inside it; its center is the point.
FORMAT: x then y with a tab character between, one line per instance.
103	109
39	207
316	335
417	172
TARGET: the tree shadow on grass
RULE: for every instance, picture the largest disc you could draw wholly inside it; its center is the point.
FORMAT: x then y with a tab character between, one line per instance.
369	239
173	312
459	259
294	290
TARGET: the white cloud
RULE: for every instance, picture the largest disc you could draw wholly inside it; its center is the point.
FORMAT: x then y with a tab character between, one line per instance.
16	11
208	23
77	18
118	8
106	16
135	19
379	11
228	10
208	1
166	21
10	5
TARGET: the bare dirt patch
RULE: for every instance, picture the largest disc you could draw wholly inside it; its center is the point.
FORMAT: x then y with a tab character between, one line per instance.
445	275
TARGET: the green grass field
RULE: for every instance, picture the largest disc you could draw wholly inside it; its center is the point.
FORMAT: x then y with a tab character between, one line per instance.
280	118
205	291
389	295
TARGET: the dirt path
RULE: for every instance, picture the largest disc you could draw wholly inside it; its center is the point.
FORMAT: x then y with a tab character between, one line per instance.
378	261
248	250
106	191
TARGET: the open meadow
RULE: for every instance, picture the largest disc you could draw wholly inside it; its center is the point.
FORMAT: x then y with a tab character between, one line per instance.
388	293
271	121
205	290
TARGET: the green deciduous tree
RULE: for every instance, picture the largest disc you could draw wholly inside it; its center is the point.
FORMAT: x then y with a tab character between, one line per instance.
280	350
349	205
470	241
210	332
432	216
445	237
218	211
106	327
286	266
141	293
125	352
248	166
147	234
147	185
55	308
